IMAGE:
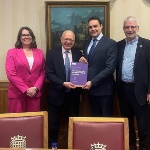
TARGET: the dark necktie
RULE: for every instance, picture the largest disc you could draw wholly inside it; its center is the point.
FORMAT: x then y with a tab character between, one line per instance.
92	49
67	67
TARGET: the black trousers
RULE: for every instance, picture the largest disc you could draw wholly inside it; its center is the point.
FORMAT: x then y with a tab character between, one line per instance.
69	108
101	106
129	108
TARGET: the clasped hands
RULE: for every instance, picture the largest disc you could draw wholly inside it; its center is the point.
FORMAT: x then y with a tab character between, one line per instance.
31	92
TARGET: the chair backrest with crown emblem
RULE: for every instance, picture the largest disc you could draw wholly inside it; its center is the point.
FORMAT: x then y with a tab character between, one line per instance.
98	133
24	130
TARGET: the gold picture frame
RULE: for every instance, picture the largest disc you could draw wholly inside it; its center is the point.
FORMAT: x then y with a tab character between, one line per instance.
73	15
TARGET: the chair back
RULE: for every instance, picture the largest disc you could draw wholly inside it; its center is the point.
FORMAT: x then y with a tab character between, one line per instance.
98	133
24	130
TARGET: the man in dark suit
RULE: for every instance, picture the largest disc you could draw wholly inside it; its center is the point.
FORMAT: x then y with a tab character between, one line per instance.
62	93
101	66
133	80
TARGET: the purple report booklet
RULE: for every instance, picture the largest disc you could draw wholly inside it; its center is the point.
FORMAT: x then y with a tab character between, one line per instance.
78	73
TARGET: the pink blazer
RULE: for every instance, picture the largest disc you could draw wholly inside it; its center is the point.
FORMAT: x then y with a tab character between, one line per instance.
19	74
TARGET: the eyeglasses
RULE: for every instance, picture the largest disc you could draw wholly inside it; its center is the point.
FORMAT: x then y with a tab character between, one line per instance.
66	39
24	35
128	27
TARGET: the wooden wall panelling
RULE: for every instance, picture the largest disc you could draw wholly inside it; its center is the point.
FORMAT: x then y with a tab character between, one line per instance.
3	96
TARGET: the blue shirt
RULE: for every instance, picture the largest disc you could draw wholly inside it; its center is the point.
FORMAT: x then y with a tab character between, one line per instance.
91	43
128	61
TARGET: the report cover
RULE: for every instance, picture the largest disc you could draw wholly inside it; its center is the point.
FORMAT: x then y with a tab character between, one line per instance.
78	73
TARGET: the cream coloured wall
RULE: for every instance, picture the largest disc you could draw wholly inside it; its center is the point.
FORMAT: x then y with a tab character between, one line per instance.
17	13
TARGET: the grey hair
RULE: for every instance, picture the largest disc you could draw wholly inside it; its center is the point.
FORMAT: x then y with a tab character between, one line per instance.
131	18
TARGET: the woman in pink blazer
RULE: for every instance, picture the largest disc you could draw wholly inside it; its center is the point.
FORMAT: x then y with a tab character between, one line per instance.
25	69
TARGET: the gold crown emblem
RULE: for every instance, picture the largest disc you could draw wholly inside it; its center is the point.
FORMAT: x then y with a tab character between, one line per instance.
98	146
18	141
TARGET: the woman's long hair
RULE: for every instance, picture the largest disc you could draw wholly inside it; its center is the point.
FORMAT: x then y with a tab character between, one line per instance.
18	43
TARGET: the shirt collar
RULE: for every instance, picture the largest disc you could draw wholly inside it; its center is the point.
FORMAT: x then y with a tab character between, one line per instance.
63	50
99	37
133	41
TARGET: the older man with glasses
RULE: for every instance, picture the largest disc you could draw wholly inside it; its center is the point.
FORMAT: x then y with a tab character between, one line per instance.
133	80
62	93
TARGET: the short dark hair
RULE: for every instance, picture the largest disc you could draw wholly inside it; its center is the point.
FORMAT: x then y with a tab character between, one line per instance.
18	43
95	18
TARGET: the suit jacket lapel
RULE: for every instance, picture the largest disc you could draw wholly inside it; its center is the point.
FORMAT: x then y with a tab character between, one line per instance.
22	56
60	59
121	51
137	55
99	44
138	51
74	56
35	62
85	48
36	59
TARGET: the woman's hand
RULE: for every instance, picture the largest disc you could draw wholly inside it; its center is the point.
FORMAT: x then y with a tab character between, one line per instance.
31	92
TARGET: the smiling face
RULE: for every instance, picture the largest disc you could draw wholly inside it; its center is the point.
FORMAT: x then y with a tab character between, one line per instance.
95	28
67	39
131	29
26	38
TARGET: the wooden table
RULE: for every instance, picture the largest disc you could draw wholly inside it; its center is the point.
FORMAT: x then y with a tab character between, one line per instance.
26	149
31	149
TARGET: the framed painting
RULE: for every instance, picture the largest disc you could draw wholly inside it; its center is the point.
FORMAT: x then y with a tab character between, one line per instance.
68	15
